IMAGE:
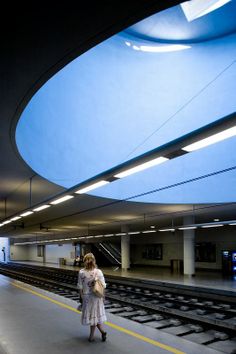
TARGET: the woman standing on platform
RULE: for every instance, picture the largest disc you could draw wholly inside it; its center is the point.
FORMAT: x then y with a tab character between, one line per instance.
93	311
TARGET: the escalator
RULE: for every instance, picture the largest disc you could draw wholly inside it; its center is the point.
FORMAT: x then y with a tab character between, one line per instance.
111	254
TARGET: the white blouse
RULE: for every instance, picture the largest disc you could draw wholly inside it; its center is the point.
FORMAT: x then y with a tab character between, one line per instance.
86	279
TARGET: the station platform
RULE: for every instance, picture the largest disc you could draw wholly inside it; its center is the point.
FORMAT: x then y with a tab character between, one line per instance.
36	321
203	279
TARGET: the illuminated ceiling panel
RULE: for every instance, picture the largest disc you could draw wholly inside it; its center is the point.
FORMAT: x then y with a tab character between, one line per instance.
118	101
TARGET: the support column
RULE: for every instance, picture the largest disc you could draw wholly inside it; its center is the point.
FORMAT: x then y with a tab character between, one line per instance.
125	248
189	247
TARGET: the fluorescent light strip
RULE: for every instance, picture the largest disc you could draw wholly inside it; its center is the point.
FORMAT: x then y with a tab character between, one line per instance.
6	222
92	186
216	225
121	234
141	167
187	228
163	230
134	232
42	207
62	199
161	48
148	231
233	224
225	134
26	213
16	218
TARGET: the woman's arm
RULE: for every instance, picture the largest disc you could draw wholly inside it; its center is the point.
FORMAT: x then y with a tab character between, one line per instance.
80	286
101	277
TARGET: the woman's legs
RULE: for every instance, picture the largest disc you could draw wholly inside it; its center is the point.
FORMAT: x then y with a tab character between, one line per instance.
92	330
104	334
99	326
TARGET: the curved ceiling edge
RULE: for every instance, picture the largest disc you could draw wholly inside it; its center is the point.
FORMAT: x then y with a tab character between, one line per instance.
130	14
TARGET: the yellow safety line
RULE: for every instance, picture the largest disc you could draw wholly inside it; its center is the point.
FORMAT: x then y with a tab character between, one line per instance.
46	298
119	328
145	339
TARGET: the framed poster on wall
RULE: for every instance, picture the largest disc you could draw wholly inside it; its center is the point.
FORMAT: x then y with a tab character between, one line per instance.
205	252
153	251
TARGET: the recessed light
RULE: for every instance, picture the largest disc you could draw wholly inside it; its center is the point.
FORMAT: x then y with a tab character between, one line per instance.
92	186
187	228
142	166
62	199
42	207
212	225
26	213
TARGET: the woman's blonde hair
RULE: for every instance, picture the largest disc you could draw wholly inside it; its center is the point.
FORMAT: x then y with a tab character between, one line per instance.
89	261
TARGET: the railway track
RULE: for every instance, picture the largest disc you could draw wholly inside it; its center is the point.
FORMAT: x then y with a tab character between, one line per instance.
208	318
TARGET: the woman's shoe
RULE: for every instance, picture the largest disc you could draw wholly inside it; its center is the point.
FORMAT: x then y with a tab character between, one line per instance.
104	336
91	340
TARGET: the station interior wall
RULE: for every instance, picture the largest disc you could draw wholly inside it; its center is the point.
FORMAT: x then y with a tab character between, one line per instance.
4	243
172	248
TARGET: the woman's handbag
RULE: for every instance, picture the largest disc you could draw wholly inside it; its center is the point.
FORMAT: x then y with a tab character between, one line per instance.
98	288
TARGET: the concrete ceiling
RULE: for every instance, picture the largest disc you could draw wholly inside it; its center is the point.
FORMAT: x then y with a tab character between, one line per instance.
36	43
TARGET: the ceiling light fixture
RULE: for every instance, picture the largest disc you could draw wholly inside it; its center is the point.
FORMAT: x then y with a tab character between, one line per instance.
26	213
91	187
142	167
212	225
162	48
187	228
62	199
148	231
42	207
16	218
6	222
215	138
163	230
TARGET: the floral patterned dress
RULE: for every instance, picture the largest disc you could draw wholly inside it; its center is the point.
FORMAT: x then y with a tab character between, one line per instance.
93	311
